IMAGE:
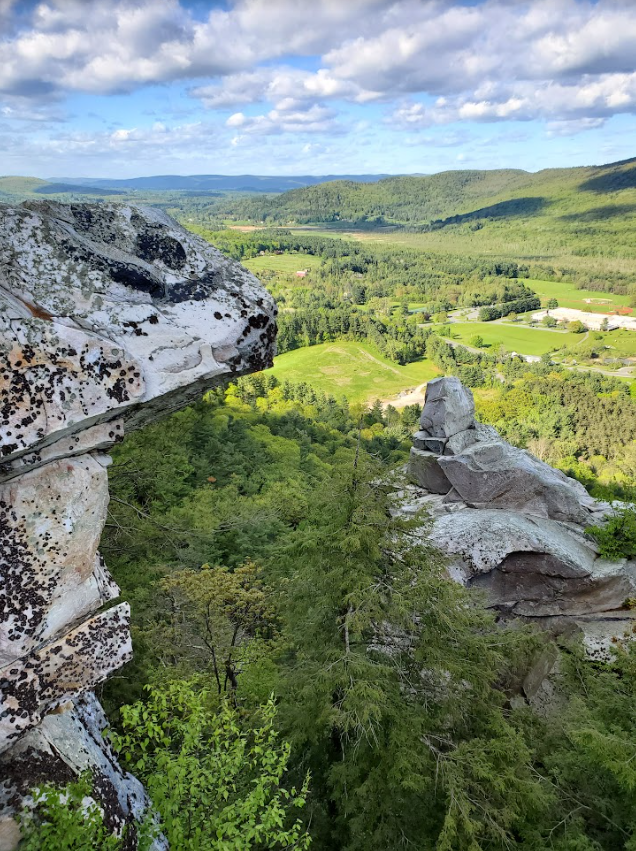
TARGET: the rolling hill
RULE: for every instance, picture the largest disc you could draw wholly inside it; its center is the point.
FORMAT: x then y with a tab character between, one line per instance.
214	182
456	197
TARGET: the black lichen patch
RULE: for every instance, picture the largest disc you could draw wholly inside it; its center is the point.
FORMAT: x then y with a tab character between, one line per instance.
25	770
136	278
153	245
195	290
60	379
77	662
24	589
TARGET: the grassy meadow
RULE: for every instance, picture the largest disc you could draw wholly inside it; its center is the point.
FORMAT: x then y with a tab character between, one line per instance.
515	338
285	263
355	370
569	296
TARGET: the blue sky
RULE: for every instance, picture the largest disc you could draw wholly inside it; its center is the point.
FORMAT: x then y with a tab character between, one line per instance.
121	88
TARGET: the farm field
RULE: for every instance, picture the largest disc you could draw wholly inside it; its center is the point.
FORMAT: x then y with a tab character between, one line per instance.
569	296
516	338
502	240
289	263
355	370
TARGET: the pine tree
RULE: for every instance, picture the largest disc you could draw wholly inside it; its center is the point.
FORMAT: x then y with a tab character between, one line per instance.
388	699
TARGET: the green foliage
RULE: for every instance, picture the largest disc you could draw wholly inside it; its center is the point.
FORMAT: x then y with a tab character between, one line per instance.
66	819
519	305
215	785
220	620
617	538
388	695
586	751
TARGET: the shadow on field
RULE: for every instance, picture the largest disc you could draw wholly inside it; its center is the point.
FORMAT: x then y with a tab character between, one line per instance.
514	208
612	181
599	214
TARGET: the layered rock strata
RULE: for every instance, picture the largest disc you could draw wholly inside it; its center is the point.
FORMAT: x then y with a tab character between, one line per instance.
110	316
512	525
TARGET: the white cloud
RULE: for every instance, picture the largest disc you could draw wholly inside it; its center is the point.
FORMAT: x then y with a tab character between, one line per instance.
287	119
280	84
573	126
566	61
586	103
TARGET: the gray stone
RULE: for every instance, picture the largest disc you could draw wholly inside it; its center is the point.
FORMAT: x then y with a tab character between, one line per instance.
533	585
448	408
494	474
531	567
460	441
463	439
424	470
110	316
485	538
540	670
421	440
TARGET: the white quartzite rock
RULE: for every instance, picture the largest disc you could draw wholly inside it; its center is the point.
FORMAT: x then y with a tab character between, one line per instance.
110	316
105	309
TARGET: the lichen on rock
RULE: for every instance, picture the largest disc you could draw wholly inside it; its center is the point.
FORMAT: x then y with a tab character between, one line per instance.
110	316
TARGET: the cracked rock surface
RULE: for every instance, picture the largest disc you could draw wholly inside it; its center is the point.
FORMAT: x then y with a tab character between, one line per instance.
110	316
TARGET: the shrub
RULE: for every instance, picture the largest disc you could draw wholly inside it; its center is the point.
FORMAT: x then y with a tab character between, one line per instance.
214	784
66	819
617	539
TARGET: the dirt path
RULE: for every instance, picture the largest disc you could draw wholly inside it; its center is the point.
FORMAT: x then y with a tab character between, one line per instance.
379	362
407	397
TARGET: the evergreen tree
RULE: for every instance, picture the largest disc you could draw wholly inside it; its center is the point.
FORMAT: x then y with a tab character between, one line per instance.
388	698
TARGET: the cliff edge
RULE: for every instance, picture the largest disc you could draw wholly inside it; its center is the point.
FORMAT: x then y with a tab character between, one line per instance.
110	316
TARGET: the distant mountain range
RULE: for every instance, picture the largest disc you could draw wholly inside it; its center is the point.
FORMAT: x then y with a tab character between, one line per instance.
203	182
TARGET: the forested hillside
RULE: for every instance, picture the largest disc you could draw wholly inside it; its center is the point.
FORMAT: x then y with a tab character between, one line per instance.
579	221
451	197
305	674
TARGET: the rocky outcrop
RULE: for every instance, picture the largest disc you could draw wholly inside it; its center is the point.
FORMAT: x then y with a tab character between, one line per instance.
110	316
513	526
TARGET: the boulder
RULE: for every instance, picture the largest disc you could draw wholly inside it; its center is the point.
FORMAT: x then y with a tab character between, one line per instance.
111	311
448	408
530	567
533	585
494	474
485	538
110	316
514	527
463	439
425	471
422	440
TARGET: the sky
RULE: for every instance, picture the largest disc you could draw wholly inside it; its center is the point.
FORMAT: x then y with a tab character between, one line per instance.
126	88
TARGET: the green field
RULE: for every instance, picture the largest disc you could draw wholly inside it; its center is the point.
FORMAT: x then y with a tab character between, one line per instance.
289	263
568	296
355	370
516	338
